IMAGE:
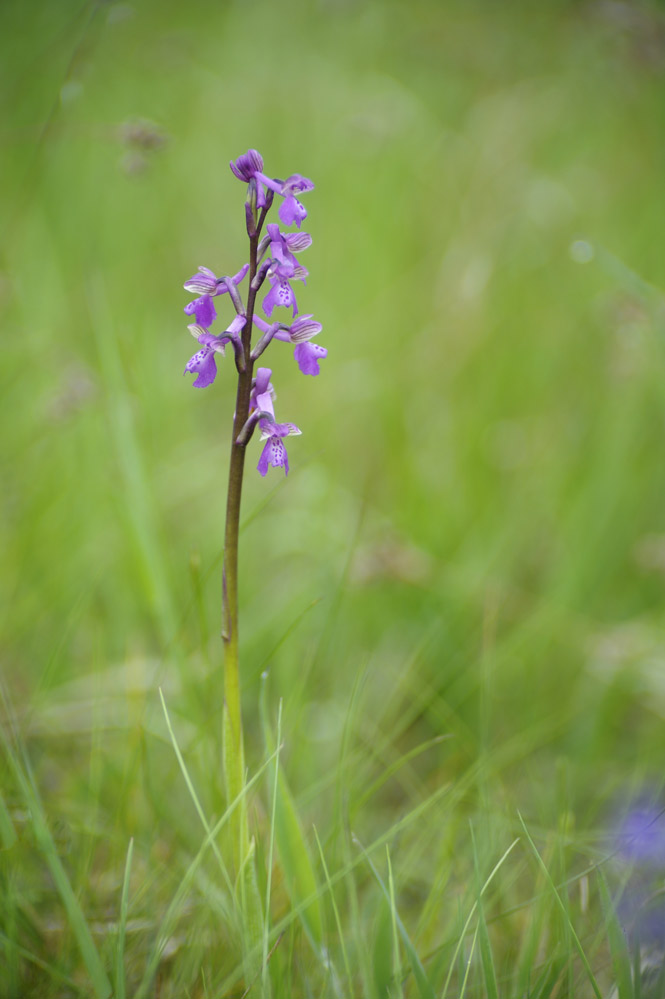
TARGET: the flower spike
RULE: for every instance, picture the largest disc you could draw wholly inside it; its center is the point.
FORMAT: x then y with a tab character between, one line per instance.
275	262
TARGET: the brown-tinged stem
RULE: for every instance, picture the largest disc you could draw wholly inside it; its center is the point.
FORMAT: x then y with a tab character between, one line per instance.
234	760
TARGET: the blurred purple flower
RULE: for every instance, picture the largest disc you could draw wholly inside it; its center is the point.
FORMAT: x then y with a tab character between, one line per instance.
640	837
208	285
639	841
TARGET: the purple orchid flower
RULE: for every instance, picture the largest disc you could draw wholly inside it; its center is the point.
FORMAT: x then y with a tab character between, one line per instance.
274	452
282	249
291	211
262	401
203	362
208	285
300	332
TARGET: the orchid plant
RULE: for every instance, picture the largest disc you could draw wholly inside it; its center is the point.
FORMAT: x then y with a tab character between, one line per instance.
272	261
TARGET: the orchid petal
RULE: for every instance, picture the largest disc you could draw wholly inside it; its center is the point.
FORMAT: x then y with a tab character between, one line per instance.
204	310
278	430
291	211
308	356
304	328
297	184
281	293
203	362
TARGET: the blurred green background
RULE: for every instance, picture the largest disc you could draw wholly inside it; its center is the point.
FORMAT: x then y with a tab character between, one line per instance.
471	542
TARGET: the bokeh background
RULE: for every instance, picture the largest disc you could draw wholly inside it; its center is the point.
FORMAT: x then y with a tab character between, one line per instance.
471	542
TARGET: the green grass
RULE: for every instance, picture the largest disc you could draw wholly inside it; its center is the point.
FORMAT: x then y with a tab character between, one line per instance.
458	592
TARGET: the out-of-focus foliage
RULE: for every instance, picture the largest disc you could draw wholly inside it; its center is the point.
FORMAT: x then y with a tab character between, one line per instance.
471	543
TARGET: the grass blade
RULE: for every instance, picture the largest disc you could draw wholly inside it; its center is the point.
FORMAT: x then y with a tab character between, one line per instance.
271	853
617	942
120	990
484	888
170	915
425	989
486	957
576	940
294	854
89	953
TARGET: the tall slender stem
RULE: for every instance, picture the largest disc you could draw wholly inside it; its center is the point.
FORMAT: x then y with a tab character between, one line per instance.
234	758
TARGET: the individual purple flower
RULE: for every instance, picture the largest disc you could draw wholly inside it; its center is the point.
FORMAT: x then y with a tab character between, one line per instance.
308	356
274	452
247	165
203	362
207	285
281	292
282	249
300	332
291	211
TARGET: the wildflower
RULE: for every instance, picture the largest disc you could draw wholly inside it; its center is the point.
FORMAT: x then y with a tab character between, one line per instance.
282	249
207	284
300	331
250	165
274	452
203	361
291	211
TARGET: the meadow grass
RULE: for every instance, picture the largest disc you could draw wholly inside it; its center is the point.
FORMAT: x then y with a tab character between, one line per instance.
452	610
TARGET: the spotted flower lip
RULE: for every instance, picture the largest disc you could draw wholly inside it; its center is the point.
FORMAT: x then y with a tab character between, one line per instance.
281	292
274	453
207	285
308	355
